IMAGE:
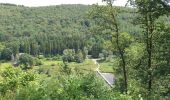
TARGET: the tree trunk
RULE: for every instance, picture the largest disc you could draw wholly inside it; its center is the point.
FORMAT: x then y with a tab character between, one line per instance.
123	61
149	43
121	55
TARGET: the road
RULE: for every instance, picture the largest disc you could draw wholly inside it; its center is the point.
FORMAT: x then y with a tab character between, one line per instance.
108	77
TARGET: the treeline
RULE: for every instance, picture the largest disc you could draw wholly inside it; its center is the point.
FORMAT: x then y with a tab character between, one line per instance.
51	44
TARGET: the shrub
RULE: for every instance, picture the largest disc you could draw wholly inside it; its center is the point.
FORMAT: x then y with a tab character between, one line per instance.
13	79
79	57
6	54
37	62
26	61
41	57
58	57
71	56
68	55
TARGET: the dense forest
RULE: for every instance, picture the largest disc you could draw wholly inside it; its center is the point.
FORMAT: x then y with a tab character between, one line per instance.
43	51
45	29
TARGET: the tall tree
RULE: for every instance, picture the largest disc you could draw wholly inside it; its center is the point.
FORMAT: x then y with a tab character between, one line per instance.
150	11
107	18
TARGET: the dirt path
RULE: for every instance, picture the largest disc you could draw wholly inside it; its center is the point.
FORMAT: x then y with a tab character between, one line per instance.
108	77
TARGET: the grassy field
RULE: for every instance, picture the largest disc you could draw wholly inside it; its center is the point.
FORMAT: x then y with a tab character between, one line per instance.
52	67
106	66
87	65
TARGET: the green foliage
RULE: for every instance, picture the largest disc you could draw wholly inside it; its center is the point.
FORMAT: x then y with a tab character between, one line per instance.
138	61
13	78
26	61
57	57
68	55
79	57
37	62
31	31
14	46
26	85
150	18
6	54
44	30
1	47
65	68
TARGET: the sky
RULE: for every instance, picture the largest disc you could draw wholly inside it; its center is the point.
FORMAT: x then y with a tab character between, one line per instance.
35	3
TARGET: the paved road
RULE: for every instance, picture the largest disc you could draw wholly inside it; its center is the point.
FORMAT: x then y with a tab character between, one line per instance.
108	77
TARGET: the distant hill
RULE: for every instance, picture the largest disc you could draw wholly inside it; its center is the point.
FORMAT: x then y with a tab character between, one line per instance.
52	29
19	20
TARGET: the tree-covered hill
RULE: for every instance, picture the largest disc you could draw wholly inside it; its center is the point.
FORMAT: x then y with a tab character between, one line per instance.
19	20
51	29
64	26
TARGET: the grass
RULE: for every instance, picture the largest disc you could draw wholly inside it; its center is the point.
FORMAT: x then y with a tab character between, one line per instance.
87	65
52	67
52	62
106	66
5	64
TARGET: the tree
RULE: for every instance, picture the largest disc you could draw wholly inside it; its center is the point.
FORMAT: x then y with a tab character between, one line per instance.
14	46
79	58
1	47
107	18
68	55
108	48
150	11
26	60
6	54
34	48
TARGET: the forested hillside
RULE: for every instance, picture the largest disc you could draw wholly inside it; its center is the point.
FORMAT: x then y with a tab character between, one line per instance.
50	30
44	27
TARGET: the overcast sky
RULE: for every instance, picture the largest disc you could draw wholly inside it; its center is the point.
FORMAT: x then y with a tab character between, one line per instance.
58	2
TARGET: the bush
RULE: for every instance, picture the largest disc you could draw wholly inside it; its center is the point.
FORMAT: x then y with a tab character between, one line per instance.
37	62
68	55
13	79
58	57
65	68
41	57
26	61
71	56
26	85
6	54
79	57
48	59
